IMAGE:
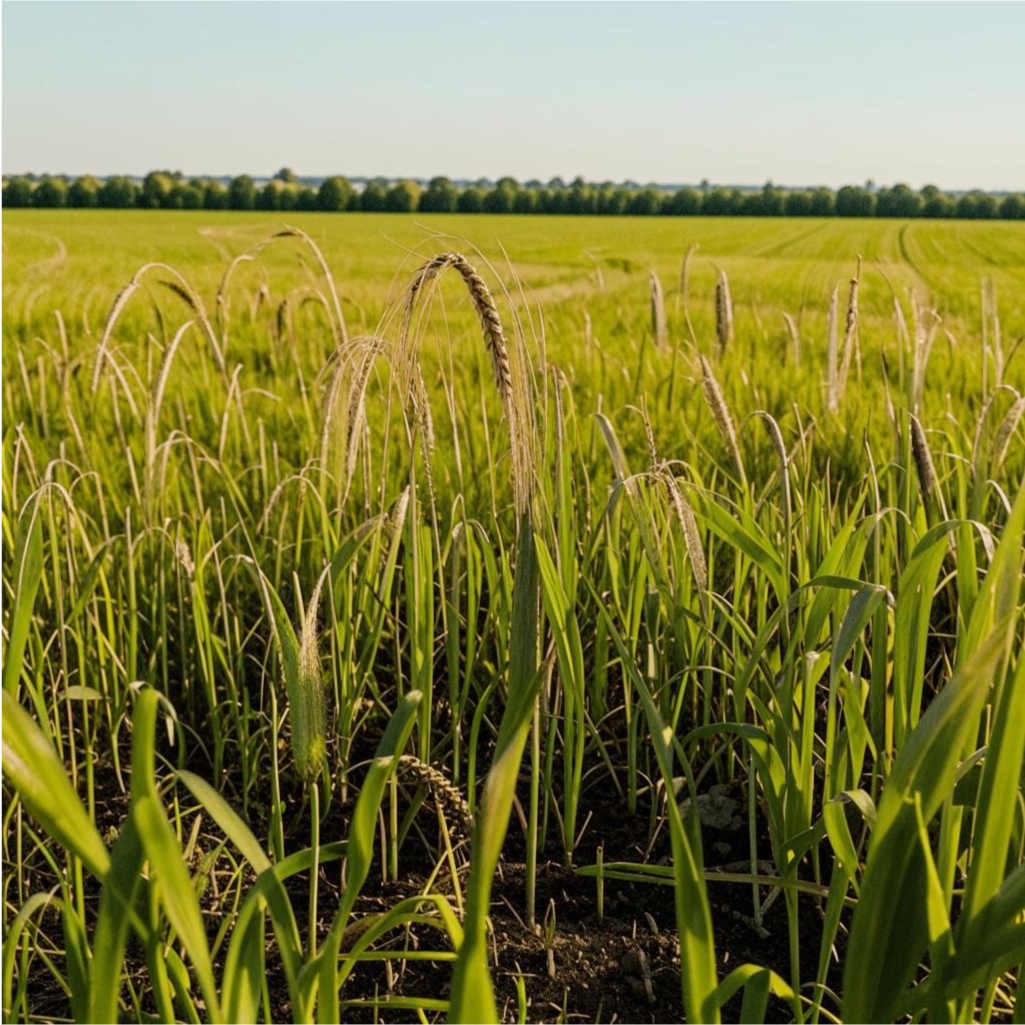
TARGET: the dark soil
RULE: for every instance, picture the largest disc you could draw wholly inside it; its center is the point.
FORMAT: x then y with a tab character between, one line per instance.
624	968
596	973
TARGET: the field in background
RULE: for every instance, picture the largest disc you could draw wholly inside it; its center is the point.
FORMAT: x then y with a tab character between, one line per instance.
774	263
647	537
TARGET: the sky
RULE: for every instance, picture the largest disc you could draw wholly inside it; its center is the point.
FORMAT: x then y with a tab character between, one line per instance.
736	93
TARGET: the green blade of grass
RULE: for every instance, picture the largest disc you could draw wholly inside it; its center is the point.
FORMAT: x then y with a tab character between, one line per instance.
890	930
32	767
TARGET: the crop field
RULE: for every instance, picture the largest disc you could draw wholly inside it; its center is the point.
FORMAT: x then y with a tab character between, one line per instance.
512	619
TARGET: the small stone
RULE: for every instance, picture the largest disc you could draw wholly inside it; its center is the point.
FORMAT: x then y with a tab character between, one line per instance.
716	810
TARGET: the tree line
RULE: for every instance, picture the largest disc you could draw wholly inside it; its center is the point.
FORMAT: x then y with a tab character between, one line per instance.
169	190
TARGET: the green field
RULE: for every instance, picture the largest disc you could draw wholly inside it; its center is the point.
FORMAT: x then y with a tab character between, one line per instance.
774	263
651	658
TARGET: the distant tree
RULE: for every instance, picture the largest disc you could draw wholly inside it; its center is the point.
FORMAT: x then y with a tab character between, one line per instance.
402	198
682	203
215	196
471	200
986	206
83	192
49	193
899	201
580	198
618	201
172	199
798	204
1012	208
603	200
118	193
288	195
852	201
525	202
306	198
334	194
17	192
156	190
935	203
286	174
268	197
499	200
773	201
187	196
440	197
823	203
551	201
964	207
644	203
716	203
977	206
556	183
241	193
750	204
374	196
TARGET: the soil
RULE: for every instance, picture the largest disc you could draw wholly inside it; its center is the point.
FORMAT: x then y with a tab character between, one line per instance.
622	968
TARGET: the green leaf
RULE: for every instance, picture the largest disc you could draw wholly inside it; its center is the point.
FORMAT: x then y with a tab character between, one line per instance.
35	771
228	819
117	899
472	993
362	832
693	915
890	928
174	885
1001	770
13	938
26	572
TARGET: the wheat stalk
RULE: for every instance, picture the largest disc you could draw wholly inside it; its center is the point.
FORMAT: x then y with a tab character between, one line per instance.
289	231
831	351
515	400
484	303
795	338
721	414
691	538
849	334
181	288
658	311
685	276
309	720
1002	438
723	312
445	792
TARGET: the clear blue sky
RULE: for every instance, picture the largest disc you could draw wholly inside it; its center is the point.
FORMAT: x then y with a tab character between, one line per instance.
734	92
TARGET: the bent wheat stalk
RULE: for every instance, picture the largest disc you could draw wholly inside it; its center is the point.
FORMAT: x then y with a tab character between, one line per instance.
472	996
181	287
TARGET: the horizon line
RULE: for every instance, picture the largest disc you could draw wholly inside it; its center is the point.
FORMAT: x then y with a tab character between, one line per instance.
869	185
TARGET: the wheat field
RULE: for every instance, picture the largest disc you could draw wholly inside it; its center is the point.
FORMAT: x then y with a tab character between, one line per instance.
485	619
